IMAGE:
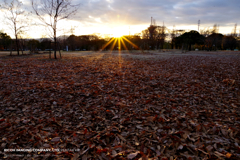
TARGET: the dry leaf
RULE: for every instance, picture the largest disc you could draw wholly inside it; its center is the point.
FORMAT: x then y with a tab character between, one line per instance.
133	155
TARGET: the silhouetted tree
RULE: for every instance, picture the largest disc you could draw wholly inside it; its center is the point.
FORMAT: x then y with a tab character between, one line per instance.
85	42
96	42
22	41
72	41
234	32
205	32
34	45
161	35
229	42
177	40
5	40
190	38
215	29
172	34
214	41
15	18
55	10
145	39
152	31
45	43
131	42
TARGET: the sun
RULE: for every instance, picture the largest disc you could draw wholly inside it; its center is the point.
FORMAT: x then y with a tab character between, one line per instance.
117	35
120	40
119	32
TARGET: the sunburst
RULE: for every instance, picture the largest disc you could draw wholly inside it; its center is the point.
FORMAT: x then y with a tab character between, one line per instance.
120	43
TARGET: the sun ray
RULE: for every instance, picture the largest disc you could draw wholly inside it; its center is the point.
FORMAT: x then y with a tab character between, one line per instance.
119	45
113	45
119	54
107	43
124	45
134	45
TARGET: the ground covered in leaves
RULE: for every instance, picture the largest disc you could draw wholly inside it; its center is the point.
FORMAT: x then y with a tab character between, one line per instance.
107	106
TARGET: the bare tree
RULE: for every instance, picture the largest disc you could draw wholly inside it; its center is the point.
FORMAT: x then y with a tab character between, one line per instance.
16	18
161	35
55	10
5	40
145	39
22	41
172	34
205	32
215	28
234	32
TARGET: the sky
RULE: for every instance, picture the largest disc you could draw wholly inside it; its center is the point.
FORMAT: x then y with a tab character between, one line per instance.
123	17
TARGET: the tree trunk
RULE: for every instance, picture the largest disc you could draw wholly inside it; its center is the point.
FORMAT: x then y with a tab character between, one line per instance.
17	45
55	44
11	48
55	47
21	45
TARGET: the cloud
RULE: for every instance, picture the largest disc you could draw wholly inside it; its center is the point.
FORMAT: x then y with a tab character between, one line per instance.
110	13
134	12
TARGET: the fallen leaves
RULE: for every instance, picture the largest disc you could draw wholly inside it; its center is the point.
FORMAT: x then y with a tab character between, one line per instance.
176	108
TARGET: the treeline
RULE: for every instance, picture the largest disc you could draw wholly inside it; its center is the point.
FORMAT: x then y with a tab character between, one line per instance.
154	37
84	42
215	41
160	37
72	42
